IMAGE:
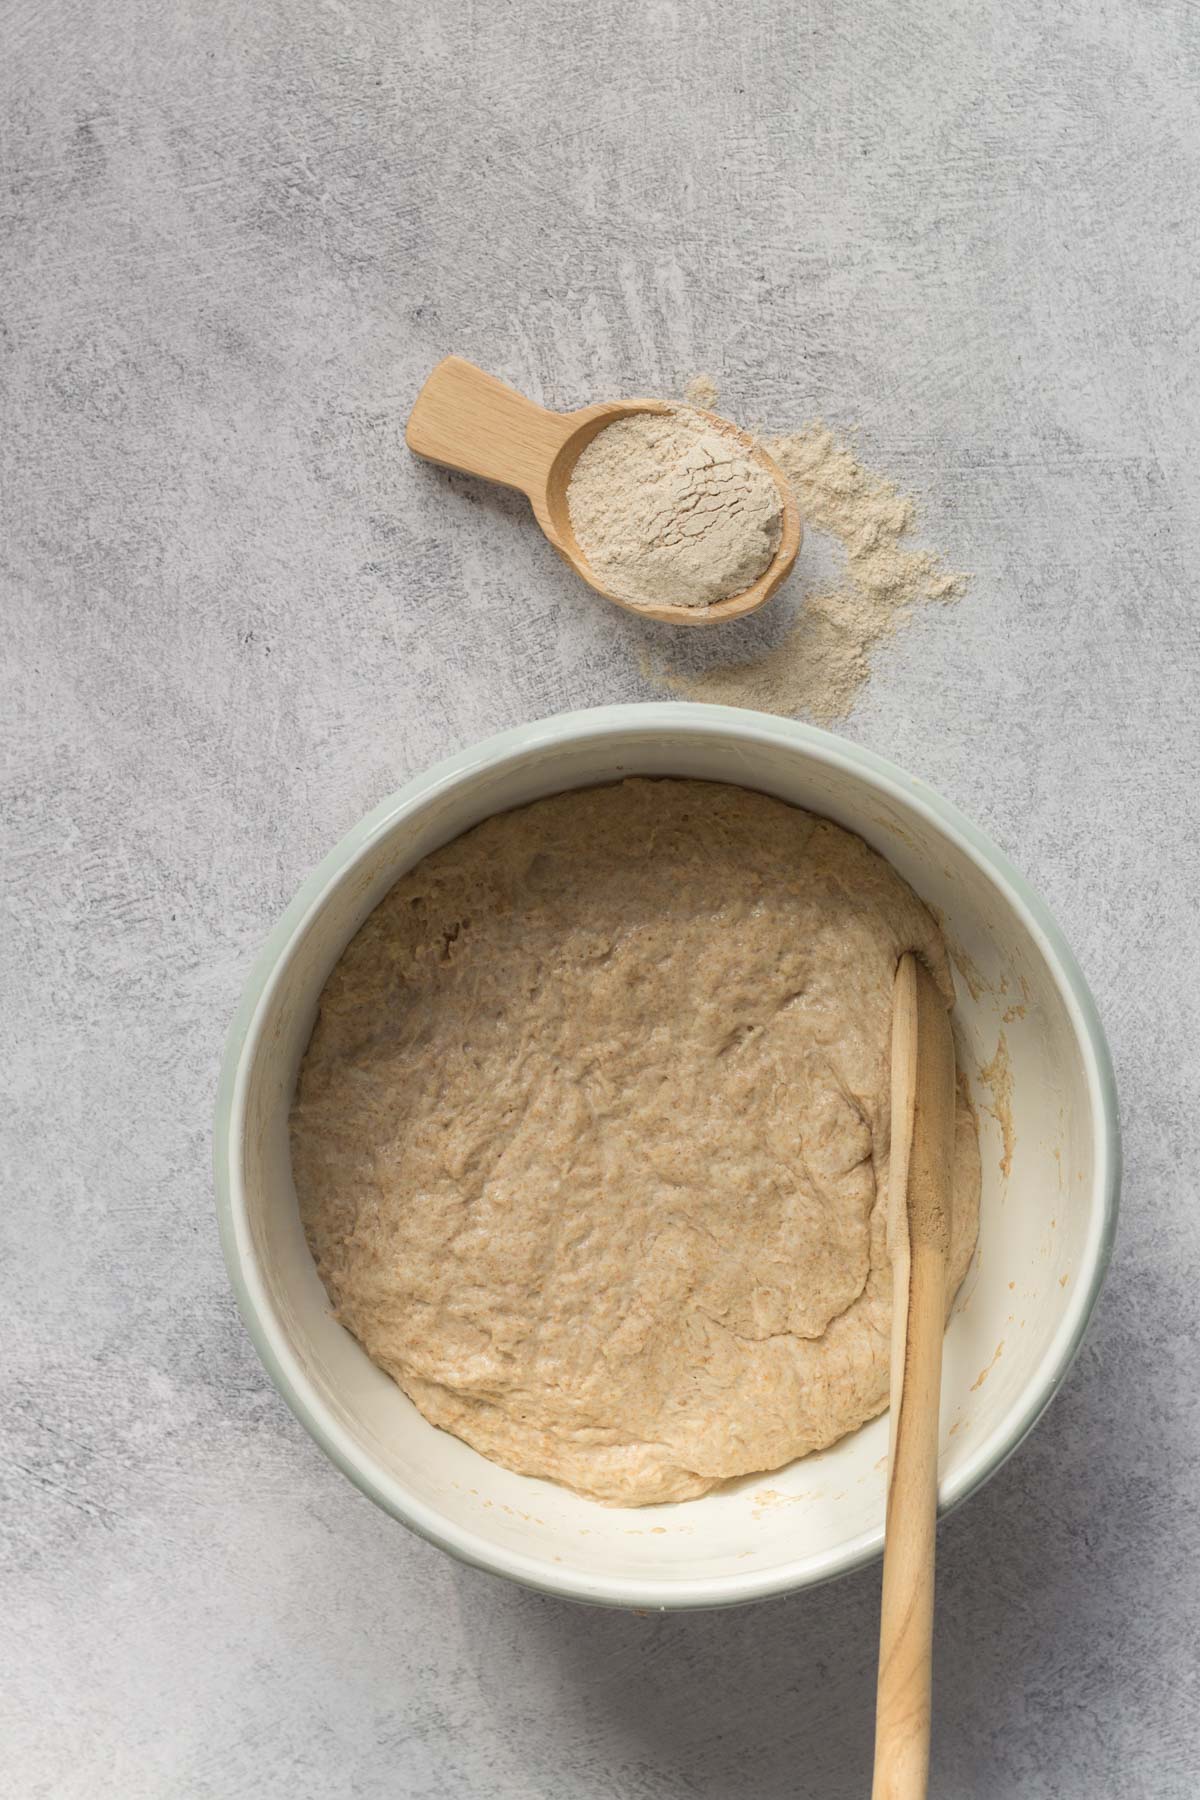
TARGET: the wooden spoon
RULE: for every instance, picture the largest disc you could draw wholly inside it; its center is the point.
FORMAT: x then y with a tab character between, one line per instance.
919	1201
468	420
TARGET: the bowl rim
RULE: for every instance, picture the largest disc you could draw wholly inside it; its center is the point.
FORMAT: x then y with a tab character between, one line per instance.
270	969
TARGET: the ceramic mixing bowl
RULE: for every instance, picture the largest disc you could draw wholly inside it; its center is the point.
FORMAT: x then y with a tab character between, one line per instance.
1029	1040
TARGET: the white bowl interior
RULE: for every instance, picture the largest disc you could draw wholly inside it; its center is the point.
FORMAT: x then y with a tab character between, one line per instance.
1021	1308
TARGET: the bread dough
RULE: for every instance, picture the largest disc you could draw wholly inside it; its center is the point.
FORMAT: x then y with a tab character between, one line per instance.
591	1137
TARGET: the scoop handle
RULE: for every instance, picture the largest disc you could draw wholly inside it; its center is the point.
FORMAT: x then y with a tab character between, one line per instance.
468	420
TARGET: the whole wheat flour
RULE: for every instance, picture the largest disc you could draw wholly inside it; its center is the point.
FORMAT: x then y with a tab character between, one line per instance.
591	1138
824	658
670	508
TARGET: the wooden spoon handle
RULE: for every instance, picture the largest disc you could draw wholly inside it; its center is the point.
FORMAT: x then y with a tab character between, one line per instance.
470	421
922	1161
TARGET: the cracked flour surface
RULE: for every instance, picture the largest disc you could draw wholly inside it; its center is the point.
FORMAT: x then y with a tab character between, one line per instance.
670	508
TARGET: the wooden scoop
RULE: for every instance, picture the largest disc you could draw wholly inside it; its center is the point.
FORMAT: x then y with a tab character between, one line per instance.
468	420
920	1197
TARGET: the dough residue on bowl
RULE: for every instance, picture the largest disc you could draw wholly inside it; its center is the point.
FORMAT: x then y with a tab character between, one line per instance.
591	1137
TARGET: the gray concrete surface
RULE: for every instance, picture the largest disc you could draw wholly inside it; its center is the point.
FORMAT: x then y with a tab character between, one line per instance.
235	614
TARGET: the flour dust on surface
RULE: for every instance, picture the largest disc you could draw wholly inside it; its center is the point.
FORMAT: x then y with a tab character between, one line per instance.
832	632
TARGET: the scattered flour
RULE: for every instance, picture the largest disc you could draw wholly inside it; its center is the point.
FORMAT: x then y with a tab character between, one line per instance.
824	660
701	391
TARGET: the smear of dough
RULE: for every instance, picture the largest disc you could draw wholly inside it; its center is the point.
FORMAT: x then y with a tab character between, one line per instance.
983	1374
591	1137
997	1075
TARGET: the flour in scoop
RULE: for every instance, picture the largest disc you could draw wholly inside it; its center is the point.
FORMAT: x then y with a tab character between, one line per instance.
671	509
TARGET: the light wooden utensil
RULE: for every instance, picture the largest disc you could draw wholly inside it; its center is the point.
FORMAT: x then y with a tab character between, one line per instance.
919	1201
468	420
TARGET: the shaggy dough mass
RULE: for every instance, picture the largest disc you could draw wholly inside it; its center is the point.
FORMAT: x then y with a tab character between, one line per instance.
591	1136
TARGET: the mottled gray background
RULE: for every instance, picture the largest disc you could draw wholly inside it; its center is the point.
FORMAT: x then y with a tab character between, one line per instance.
236	235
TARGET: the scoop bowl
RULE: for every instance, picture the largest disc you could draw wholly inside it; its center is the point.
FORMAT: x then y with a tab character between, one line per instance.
465	419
